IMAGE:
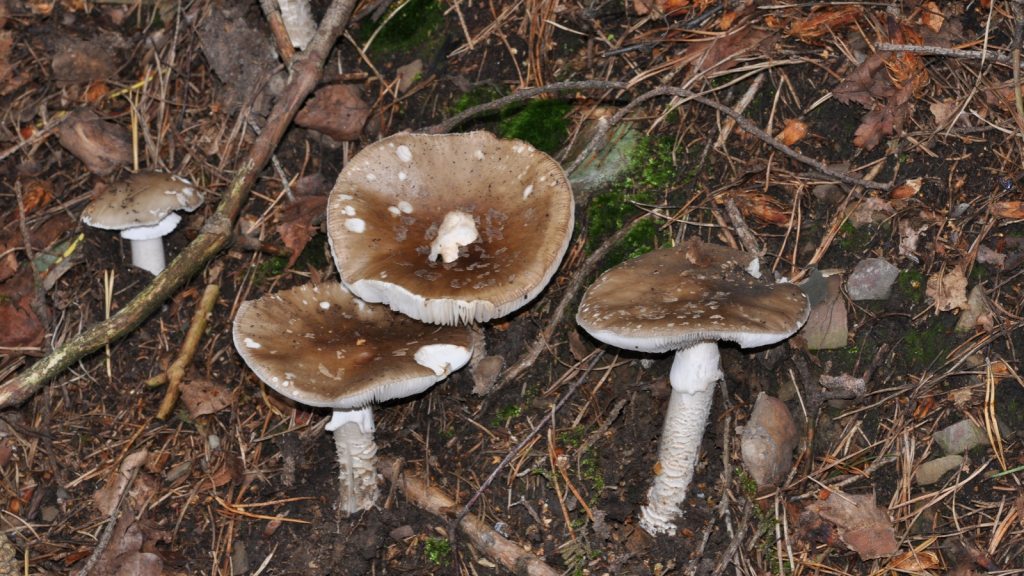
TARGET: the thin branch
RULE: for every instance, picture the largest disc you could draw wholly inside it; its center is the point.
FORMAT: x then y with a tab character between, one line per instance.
950	52
533	352
526	441
216	234
449	124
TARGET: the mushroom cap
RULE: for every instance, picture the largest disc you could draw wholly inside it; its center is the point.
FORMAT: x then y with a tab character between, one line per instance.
390	199
321	346
142	199
672	298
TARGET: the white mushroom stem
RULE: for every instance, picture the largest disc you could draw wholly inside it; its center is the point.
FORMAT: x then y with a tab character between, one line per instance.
457	229
148	243
357	454
149	255
693	377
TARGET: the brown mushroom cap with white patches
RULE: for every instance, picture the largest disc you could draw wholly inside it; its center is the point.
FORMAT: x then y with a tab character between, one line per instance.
390	200
321	346
143	199
669	299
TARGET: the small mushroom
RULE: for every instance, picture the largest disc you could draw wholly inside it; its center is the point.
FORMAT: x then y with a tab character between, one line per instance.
321	346
143	208
451	228
686	299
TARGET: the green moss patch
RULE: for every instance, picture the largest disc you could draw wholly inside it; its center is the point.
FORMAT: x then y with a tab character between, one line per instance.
419	24
542	123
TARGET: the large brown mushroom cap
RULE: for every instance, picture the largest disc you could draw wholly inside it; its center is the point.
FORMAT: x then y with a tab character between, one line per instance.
321	346
143	199
672	298
393	196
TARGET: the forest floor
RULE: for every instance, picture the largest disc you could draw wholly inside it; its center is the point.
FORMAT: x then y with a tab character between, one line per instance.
238	480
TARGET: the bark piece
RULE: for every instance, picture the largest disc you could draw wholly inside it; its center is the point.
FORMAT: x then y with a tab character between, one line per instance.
768	441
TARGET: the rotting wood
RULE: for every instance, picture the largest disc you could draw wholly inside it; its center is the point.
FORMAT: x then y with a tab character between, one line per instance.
485	538
216	234
176	371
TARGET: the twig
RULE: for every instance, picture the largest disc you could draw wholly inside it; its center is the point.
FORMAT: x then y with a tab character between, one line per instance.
42	133
533	352
937	51
526	441
176	372
734	545
216	233
488	540
743	123
108	532
742	230
449	124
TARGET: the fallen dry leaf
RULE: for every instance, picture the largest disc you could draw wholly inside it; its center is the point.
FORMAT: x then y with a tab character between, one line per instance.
943	111
762	207
873	210
868	82
823	22
106	498
21	325
203	397
862	526
1011	210
229	469
295	223
907	189
948	290
931	16
794	132
336	110
910	235
123	556
914	561
102	146
718	52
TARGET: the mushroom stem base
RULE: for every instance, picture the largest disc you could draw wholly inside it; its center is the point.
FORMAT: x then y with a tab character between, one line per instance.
687	415
357	454
149	255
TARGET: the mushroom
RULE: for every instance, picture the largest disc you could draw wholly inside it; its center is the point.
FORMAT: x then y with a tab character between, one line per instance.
143	208
685	299
451	228
321	346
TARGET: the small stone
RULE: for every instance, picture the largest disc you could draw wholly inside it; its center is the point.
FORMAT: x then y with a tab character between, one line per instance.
977	305
872	279
402	532
931	471
768	441
408	75
961	437
48	513
826	327
239	559
214	442
485	373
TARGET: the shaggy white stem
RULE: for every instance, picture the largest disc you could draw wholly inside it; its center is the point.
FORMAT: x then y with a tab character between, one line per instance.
457	229
149	255
298	21
357	454
693	377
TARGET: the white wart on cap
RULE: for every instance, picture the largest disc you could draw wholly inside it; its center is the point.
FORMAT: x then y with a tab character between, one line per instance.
450	228
669	299
319	345
143	208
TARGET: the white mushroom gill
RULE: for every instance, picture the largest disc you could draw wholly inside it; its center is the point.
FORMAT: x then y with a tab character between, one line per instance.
457	229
